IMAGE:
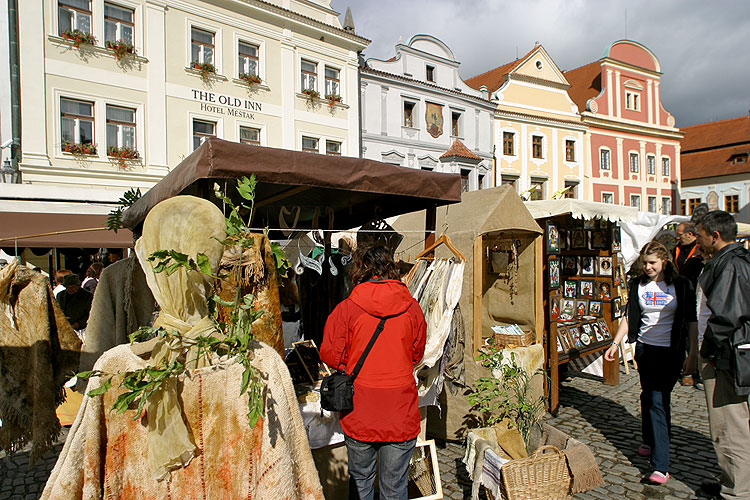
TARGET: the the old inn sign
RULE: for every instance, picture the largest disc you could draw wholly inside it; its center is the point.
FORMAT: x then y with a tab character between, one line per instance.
223	104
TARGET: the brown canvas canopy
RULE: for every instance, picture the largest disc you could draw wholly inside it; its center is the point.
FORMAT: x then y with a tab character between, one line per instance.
334	192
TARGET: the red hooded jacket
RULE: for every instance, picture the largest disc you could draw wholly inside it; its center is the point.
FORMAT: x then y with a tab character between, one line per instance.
385	393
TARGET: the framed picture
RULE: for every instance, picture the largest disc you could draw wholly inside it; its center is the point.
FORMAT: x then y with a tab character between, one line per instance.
424	473
595	308
575	335
617	280
605	266
589	223
554	273
308	368
587	334
586	289
604	291
582	308
554	308
616	238
560	348
570	265
603	223
597	332
570	288
553	238
599	240
578	238
562	336
499	261
604	328
563	238
568	309
588	266
616	308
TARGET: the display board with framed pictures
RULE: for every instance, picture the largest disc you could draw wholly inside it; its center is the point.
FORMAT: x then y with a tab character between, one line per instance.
583	300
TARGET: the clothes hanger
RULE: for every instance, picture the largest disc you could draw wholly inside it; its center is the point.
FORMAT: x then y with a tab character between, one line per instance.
443	240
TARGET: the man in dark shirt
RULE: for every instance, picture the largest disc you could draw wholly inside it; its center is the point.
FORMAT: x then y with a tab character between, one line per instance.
75	302
687	254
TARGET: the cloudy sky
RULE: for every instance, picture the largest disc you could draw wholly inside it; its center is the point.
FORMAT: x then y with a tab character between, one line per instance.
703	46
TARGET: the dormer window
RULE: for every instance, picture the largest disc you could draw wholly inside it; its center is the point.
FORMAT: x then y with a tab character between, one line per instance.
739	159
632	101
430	70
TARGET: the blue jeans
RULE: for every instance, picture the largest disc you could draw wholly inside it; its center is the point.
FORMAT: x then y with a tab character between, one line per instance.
393	473
658	369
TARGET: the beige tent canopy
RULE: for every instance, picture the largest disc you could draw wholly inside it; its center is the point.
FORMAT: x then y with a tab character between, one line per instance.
484	220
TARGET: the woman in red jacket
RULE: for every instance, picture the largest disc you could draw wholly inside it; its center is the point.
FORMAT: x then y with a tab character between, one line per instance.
385	420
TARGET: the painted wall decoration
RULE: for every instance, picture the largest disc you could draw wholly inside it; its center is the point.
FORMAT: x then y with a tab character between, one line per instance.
434	118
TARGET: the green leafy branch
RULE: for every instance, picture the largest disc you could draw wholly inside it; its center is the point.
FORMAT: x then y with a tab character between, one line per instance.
170	261
114	220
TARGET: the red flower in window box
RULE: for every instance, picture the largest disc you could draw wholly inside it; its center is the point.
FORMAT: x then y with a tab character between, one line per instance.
333	99
121	156
79	37
250	79
206	69
120	48
79	149
311	95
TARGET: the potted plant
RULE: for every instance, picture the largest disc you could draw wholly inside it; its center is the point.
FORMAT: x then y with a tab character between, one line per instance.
205	69
79	37
332	100
120	48
508	397
250	79
73	148
311	94
122	155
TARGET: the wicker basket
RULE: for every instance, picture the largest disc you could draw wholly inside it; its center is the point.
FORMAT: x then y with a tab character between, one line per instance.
542	476
508	340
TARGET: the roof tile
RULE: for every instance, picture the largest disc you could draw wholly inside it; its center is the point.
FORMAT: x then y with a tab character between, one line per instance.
714	162
585	83
494	78
460	150
716	134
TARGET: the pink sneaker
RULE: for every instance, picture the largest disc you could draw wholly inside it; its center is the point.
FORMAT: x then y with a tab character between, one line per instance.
657	477
644	450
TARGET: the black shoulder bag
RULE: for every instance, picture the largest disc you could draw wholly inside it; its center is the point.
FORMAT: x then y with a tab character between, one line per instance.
337	389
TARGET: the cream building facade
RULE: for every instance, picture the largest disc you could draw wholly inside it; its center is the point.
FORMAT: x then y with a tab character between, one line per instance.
242	70
540	142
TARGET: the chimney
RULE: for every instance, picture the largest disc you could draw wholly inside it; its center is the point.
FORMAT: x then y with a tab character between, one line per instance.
485	92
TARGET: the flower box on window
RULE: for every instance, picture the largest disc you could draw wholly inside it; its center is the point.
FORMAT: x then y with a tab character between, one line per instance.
311	95
120	48
79	37
205	69
333	99
123	157
250	79
79	149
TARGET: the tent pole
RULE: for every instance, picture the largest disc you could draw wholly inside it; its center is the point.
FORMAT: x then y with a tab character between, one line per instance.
429	225
478	278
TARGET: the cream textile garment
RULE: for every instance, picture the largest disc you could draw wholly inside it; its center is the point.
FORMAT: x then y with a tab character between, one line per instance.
187	225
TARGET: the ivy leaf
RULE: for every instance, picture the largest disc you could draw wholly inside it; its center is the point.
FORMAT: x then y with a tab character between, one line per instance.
203	264
159	254
106	385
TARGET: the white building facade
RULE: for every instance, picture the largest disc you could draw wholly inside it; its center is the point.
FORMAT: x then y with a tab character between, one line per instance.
415	106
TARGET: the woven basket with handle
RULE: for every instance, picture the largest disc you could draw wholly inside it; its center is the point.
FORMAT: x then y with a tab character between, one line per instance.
542	476
509	340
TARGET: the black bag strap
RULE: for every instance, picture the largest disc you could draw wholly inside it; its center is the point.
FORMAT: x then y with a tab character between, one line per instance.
360	362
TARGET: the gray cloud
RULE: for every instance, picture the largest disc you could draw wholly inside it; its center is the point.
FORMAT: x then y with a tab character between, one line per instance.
702	46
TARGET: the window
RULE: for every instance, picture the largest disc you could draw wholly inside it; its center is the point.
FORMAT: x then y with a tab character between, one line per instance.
77	121
309	75
430	70
635	201
666	205
738	159
333	148
408	114
693	203
509	180
333	86
604	159
536	146
651	165
202	129
73	15
608	198
120	127
201	46
683	207
250	135
456	124
247	55
634	167
310	144
570	150
632	101
118	23
652	204
571	192
508	146
480	182
731	203
537	191
464	180
665	167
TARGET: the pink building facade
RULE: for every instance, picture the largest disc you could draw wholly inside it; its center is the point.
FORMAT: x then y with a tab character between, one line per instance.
634	145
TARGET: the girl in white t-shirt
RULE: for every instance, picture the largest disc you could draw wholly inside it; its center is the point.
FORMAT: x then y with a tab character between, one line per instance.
660	311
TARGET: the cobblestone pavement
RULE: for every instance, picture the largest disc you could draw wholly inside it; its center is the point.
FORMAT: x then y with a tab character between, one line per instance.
604	417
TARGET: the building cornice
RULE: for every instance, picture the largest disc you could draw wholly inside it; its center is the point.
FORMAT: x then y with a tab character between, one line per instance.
538	81
410	143
595	121
537	120
632	67
389	77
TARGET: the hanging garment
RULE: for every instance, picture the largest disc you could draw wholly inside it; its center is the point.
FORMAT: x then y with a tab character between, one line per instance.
39	352
455	371
259	277
103	456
